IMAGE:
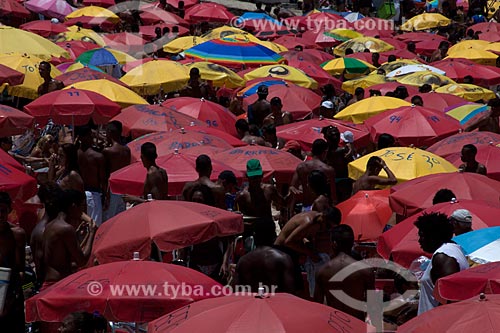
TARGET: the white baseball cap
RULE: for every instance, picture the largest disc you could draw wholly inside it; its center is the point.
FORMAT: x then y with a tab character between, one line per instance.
462	215
347	137
327	104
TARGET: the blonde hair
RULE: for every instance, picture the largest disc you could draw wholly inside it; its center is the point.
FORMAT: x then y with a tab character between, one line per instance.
43	140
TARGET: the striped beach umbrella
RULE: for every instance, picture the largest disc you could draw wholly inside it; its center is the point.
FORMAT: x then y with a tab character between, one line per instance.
234	53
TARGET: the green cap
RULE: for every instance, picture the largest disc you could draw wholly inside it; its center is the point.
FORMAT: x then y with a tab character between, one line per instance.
254	168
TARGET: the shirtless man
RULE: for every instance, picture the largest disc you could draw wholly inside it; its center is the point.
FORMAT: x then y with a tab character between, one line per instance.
116	156
61	247
371	179
45	192
261	108
243	130
277	116
156	182
304	235
268	267
355	285
299	184
204	169
196	87
93	171
469	158
12	256
255	201
49	84
338	158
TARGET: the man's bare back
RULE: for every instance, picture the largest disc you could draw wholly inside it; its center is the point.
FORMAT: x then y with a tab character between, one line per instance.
217	190
260	110
304	220
117	156
355	285
301	174
92	169
156	183
61	248
256	203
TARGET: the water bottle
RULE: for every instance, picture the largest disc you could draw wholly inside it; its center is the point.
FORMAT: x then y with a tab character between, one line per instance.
150	197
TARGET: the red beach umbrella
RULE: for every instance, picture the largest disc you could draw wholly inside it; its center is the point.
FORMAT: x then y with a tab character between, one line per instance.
458	69
91	290
401	242
438	101
86	74
305	132
17	183
274	162
10	76
181	168
73	107
138	120
299	101
367	213
167	142
252	313
413	125
209	12
213	114
13	121
488	155
454	143
415	195
169	224
44	28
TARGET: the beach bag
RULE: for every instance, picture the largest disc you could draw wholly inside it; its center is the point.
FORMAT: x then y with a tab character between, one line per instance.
387	10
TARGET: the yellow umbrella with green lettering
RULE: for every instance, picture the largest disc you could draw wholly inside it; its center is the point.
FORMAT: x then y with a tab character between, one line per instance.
405	162
29	66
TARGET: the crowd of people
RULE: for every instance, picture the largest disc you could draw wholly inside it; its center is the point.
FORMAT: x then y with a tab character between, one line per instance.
292	230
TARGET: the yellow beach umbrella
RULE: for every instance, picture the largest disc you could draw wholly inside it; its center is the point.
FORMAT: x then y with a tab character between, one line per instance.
219	75
418	79
364	109
181	44
94	11
343	34
284	72
478	56
363	82
425	21
469	92
495	47
224	32
278	48
14	40
361	43
115	92
150	79
393	65
29	66
77	33
245	37
468	44
405	162
339	66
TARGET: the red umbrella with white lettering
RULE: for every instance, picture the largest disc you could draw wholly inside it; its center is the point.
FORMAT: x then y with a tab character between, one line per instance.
130	291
